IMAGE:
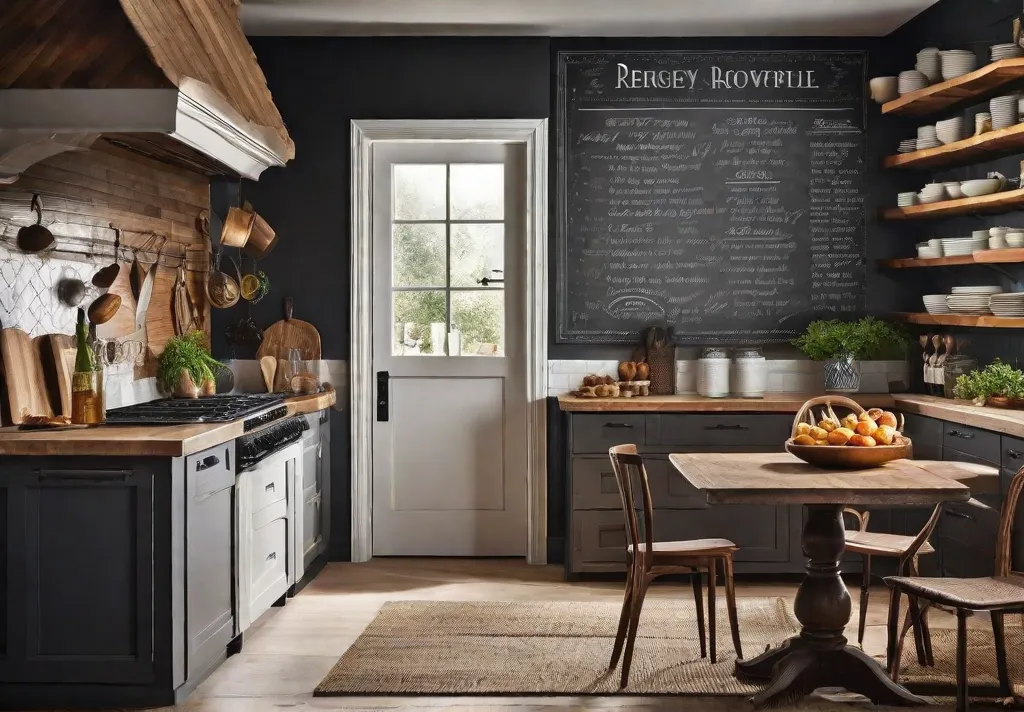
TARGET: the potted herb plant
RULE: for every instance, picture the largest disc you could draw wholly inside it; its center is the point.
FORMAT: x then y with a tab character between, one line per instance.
186	368
842	345
998	384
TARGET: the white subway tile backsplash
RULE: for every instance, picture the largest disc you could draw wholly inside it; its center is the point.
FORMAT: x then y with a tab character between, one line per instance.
560	381
776	382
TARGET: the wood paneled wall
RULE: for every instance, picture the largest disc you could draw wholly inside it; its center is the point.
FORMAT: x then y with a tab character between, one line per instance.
153	204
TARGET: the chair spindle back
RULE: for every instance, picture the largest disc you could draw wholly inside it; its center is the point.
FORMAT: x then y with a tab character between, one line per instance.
626	463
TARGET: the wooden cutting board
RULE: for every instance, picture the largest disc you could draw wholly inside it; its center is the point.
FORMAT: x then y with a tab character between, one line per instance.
282	336
58	353
24	383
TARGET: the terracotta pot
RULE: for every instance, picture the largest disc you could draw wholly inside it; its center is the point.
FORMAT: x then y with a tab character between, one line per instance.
262	239
237	227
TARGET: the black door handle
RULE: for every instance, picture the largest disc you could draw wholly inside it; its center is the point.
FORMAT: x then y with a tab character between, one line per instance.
723	426
618	425
382	396
207	462
960	434
1015	454
958	515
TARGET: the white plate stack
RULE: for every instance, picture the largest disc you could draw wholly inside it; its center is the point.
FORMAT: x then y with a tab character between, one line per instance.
713	375
1006	51
936	304
953	189
1007	305
905	200
927	137
911	81
929	64
750	377
962	246
972	300
908	146
932	193
950	130
958	62
1004	111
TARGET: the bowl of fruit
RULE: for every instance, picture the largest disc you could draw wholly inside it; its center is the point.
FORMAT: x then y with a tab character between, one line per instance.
859	440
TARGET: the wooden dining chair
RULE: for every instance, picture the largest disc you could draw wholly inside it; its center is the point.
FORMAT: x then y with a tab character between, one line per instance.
647	560
906	550
998	595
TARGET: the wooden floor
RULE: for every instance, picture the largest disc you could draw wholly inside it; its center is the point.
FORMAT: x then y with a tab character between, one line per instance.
295	646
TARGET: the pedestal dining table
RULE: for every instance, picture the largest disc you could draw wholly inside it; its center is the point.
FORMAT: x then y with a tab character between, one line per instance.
819	656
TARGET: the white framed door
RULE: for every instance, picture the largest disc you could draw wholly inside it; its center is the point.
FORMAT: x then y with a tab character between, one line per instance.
449	434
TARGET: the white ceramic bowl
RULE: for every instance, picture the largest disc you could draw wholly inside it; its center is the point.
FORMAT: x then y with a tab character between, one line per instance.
997	243
884	89
998	231
953	190
979	186
1015	239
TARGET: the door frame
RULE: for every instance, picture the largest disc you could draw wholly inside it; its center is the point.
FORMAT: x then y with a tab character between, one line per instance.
532	134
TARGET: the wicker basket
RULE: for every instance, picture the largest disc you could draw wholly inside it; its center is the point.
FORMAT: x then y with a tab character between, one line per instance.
662	360
843	457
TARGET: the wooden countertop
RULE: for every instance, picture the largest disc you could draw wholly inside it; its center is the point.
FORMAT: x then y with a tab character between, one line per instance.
1008	422
771	403
142	440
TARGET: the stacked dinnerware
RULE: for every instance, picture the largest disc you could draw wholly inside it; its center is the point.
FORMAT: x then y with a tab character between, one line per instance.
950	130
927	137
911	81
1009	50
908	146
972	304
983	289
932	193
1015	238
905	200
1007	305
953	189
928	253
962	246
936	304
957	62
713	373
929	64
1004	111
997	242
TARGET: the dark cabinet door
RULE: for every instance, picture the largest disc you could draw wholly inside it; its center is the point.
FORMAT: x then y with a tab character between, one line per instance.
209	574
85	580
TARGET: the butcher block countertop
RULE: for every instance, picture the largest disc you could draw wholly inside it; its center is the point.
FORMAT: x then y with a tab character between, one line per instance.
141	440
1008	422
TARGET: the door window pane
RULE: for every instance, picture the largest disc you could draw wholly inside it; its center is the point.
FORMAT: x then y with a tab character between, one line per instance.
478	191
480	316
420	191
415	313
418	255
478	251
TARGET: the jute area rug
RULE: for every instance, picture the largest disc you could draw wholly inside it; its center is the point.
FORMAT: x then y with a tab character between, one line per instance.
446	648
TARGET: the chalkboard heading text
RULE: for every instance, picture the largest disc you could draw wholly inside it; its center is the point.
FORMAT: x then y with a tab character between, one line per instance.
627	78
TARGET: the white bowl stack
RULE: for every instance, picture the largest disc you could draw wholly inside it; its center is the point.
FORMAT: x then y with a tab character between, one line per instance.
958	62
929	64
950	130
908	146
1004	111
932	193
936	304
962	246
911	81
972	300
927	137
905	200
1009	50
1010	304
1015	238
953	189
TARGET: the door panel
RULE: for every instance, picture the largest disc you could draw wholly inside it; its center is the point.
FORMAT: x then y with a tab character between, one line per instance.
449	450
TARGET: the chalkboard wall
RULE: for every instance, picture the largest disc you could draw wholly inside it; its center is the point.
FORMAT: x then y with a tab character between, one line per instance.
720	193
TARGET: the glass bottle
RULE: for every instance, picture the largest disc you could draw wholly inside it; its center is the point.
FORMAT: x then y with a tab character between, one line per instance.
86	381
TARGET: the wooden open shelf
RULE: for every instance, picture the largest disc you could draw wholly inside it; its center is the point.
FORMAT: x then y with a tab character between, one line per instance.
982	257
977	84
994	203
990	322
970	150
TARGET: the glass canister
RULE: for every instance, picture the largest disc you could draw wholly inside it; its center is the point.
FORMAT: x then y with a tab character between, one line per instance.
955	367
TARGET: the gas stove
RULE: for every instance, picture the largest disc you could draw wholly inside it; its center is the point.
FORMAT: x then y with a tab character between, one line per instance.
256	409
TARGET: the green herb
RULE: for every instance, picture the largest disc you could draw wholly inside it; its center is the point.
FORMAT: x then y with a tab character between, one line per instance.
867	338
996	379
186	352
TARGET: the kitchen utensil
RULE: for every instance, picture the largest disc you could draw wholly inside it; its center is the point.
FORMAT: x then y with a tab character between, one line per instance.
57	352
268	367
290	333
23	375
105	277
33	238
262	239
237	227
71	291
146	292
254	285
222	290
183	307
103	308
136	272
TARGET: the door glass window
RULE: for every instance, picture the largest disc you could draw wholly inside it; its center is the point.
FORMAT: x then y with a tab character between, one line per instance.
448	258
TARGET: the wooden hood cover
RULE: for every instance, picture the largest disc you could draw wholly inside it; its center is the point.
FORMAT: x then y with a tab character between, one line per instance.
175	79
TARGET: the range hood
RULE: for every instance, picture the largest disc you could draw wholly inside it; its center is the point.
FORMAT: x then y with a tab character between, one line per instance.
177	81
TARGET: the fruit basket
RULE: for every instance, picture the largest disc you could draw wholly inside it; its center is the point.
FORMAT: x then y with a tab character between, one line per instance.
875	438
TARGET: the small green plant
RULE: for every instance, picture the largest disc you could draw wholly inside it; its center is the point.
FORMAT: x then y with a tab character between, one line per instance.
187	352
996	379
866	338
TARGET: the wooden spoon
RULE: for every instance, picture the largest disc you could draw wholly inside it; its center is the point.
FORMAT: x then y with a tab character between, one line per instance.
268	365
104	308
950	341
936	341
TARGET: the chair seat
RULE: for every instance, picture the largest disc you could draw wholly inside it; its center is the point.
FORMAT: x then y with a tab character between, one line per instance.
976	594
696	547
882	544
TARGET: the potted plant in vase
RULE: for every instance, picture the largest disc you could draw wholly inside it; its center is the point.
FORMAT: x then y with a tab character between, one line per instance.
842	345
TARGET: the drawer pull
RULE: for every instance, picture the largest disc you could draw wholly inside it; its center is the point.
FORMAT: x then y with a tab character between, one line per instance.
207	462
723	426
618	425
270	488
84	475
1015	454
961	434
272	556
958	515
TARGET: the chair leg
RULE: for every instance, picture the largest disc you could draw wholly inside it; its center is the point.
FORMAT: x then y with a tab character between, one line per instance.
962	701
892	633
865	583
915	617
698	600
620	634
730	603
640	584
712	607
922	622
999	641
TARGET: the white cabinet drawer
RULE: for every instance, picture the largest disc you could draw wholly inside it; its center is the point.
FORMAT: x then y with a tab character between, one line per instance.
268	485
268	566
